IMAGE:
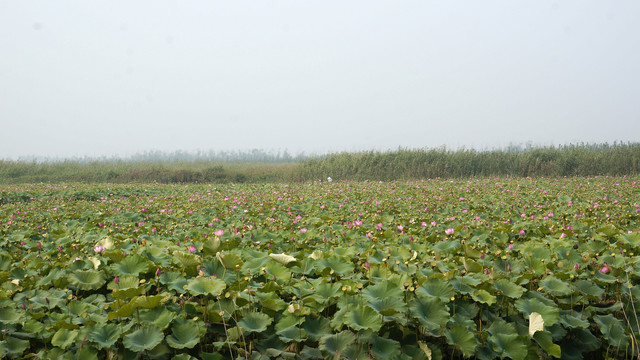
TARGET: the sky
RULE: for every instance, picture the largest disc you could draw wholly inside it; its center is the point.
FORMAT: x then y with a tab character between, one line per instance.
117	78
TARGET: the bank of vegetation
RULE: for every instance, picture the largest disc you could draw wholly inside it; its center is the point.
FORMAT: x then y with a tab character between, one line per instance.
402	164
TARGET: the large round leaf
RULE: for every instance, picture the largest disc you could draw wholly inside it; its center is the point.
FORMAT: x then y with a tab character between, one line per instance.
383	348
336	344
9	316
363	318
145	338
432	313
184	334
105	335
509	289
64	337
555	286
206	286
550	314
255	322
436	287
131	265
86	279
461	338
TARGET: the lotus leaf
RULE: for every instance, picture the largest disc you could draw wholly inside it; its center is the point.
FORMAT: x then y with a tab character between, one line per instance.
64	337
86	279
336	344
206	286
131	265
436	287
184	334
508	288
362	317
555	286
283	259
550	314
463	339
105	335
255	322
383	348
145	338
431	313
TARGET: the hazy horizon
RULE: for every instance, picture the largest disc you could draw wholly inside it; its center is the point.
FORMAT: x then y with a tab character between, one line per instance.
117	78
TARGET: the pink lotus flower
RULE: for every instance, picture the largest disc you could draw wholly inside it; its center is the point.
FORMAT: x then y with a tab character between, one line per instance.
433	223
116	280
158	272
192	249
400	227
522	233
379	226
605	269
218	233
510	246
98	249
449	231
424	223
303	230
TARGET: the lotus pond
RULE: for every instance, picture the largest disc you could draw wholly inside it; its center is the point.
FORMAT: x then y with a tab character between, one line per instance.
484	268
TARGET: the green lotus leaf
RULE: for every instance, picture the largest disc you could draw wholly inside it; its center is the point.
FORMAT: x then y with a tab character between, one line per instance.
278	270
432	313
509	289
338	264
317	328
124	283
573	319
9	316
362	317
483	296
131	265
104	335
87	352
230	260
13	347
145	338
255	322
211	246
385	288
174	281
436	287
86	279
184	357
463	339
187	260
388	306
158	316
555	286
509	345
589	288
545	340
383	348
184	334
550	314
336	344
64	337
613	330
326	291
292	333
206	286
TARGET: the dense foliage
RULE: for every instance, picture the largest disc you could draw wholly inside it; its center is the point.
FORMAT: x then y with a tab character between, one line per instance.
259	167
486	268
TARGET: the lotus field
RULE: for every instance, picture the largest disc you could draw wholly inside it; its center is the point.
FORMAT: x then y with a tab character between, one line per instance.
484	268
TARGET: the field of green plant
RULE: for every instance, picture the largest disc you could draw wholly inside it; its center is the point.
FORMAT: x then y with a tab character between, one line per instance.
487	268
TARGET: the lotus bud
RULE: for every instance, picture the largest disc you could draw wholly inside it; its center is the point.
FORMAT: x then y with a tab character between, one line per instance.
158	272
116	280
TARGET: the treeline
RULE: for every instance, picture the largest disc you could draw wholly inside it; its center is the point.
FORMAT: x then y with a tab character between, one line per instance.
402	164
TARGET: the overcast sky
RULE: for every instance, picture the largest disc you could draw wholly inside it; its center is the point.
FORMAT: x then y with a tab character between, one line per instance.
115	78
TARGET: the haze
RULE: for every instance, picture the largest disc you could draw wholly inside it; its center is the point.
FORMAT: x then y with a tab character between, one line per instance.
115	78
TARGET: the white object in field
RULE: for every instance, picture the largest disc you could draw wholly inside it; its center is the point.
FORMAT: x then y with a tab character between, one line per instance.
329	179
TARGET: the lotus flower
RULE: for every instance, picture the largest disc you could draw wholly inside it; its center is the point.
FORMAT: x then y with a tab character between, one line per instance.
605	269
449	231
98	249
